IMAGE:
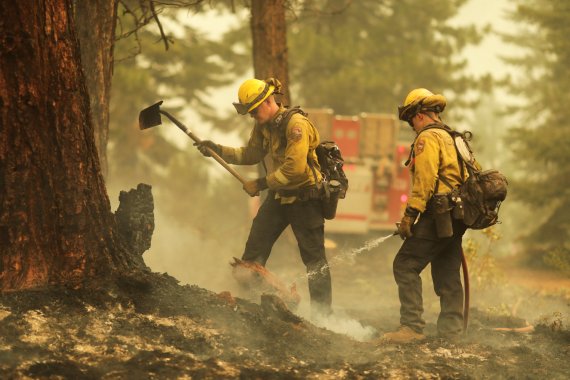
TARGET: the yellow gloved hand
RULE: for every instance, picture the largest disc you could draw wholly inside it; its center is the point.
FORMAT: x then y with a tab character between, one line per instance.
252	188
205	144
405	225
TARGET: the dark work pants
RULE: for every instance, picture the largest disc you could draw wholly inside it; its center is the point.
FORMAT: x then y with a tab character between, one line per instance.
306	220
445	258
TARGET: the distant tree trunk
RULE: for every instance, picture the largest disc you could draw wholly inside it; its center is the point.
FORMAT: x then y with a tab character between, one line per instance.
56	225
269	34
96	22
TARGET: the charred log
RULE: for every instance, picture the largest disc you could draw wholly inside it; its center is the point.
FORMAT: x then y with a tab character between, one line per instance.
273	305
135	218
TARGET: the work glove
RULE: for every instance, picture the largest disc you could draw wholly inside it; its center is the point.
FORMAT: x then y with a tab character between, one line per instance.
254	187
205	144
405	225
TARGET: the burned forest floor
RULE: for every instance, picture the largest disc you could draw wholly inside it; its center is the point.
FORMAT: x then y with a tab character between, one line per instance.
150	326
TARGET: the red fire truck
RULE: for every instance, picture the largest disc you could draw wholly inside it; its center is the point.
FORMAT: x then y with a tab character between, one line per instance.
375	147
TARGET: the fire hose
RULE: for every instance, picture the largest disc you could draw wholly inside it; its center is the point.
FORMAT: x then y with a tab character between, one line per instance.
466	290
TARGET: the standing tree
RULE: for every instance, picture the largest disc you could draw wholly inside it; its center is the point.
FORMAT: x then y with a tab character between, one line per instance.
95	22
366	55
269	36
56	225
542	141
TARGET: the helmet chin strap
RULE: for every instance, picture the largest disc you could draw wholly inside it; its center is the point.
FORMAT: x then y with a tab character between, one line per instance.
431	118
428	116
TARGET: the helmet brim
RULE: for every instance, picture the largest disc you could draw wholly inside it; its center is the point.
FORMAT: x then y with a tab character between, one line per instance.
242	109
406	113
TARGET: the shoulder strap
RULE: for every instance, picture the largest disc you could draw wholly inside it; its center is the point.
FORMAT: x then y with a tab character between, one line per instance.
429	126
314	173
454	134
283	119
460	160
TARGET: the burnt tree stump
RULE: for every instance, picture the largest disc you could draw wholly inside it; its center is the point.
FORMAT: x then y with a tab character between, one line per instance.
135	218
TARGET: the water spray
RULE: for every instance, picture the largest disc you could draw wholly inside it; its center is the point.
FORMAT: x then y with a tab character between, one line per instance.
351	254
340	323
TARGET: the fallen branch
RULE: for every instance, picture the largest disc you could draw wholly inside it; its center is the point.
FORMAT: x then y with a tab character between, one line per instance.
522	330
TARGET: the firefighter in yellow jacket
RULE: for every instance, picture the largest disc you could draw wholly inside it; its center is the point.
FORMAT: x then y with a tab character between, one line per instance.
436	237
293	182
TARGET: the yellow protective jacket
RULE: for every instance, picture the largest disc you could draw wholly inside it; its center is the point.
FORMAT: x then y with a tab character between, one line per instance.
434	156
289	147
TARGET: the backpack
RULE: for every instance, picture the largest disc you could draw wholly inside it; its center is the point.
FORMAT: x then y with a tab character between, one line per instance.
482	194
478	199
331	163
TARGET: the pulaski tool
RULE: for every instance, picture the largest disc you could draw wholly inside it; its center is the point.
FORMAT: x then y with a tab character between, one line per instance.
150	117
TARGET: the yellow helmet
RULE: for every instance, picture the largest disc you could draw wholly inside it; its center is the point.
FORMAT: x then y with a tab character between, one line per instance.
420	99
253	92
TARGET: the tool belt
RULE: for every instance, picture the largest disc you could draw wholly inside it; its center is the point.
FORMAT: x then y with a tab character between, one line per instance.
328	198
303	194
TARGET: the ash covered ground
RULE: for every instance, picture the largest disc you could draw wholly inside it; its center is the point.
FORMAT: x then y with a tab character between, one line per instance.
152	326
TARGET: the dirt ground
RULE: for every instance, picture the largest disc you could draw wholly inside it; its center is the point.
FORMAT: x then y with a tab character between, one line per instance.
152	327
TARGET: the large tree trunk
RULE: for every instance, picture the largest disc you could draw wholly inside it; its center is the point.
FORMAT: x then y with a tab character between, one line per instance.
56	225
269	34
96	22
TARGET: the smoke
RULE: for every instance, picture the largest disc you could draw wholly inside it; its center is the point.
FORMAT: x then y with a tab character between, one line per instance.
193	256
350	255
341	323
363	285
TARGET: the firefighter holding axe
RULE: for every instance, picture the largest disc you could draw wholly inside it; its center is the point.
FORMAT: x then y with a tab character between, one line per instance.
293	183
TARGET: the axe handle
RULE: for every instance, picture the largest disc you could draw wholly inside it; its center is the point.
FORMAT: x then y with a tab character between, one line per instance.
214	155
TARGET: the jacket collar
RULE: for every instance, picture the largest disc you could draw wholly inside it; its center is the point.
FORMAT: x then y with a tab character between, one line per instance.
277	118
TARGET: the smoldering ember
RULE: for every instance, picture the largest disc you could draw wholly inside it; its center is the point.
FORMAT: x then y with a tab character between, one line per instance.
167	211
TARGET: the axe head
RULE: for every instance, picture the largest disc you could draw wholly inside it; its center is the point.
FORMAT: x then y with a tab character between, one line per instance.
150	116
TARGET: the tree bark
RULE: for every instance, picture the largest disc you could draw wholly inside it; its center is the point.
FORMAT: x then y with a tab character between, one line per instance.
56	225
96	22
269	35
